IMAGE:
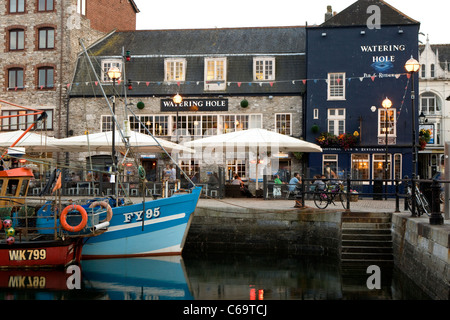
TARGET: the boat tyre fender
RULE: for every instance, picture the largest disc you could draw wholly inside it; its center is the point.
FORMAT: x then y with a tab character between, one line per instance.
63	218
106	206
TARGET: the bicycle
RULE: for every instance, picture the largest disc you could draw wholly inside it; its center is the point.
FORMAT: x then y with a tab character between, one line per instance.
323	198
422	205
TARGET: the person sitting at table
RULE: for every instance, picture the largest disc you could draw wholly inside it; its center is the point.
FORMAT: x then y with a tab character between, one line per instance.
277	185
244	190
294	181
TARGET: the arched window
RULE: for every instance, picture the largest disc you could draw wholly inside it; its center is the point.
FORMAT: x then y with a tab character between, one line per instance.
46	38
430	103
15	78
45	78
16	39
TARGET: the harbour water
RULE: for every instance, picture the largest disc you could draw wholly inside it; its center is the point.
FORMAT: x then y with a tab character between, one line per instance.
206	277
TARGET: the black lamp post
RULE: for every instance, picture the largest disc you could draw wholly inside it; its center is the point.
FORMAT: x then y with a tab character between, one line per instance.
413	66
386	105
177	99
114	74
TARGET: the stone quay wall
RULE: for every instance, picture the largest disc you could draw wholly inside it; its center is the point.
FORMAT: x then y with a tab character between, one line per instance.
241	230
421	251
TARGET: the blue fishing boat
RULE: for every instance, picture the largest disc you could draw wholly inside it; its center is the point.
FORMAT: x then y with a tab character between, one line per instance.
152	228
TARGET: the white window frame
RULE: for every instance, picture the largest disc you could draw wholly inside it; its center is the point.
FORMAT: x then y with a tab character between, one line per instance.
334	86
335	119
428	95
106	123
392	123
215	81
106	65
174	70
316	113
330	158
287	131
193	122
399	167
268	69
362	161
81	7
381	158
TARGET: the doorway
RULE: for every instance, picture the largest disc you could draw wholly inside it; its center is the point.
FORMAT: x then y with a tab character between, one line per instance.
150	165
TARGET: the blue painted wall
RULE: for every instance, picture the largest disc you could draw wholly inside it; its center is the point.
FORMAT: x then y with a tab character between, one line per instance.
379	53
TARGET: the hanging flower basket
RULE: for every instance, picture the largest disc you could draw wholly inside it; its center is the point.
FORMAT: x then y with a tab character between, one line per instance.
344	141
424	138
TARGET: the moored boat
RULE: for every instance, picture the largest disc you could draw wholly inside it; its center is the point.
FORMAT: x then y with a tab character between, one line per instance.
43	253
25	245
153	228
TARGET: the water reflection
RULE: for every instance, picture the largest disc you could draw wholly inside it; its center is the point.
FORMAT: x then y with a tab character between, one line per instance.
212	277
161	278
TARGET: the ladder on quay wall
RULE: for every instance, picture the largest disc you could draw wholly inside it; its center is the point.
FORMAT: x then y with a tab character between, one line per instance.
366	240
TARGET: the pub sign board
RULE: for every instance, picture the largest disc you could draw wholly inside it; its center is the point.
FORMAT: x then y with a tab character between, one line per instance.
195	105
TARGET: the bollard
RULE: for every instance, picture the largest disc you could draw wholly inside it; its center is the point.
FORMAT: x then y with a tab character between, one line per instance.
348	192
397	198
436	217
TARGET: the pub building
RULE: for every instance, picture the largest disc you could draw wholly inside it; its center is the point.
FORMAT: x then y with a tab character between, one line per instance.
228	79
359	93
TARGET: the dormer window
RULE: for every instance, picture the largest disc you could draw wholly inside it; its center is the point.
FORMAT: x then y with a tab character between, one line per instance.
175	70
215	73
263	69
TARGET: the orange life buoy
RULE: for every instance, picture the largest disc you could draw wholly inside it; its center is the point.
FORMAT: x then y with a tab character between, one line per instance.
63	218
106	206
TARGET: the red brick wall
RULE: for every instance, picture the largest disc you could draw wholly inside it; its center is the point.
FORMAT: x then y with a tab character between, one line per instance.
107	15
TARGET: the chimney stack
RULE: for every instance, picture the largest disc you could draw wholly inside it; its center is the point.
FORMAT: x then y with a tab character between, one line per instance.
329	13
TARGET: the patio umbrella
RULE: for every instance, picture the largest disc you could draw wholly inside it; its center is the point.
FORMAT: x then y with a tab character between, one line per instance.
32	142
102	142
254	140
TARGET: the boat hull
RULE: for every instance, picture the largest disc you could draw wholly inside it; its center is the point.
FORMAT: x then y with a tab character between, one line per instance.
154	228
41	254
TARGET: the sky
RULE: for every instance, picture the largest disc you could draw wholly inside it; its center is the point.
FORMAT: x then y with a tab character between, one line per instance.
184	14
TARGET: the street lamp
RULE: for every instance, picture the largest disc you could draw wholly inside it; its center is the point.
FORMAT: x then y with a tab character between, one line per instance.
386	104
177	99
412	66
114	74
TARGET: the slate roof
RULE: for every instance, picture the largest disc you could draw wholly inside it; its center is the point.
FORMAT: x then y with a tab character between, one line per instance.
442	49
356	15
149	48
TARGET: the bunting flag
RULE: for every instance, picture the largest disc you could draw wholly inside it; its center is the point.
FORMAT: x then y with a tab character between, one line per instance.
239	83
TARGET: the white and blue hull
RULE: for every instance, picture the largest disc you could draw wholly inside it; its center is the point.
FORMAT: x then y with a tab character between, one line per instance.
158	229
154	228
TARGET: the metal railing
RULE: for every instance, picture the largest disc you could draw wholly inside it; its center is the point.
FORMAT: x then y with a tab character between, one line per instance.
430	190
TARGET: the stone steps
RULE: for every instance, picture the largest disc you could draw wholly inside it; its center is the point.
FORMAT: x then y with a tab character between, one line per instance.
366	239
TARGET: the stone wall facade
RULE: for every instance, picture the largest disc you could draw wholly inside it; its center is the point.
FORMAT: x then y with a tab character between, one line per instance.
85	114
69	26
